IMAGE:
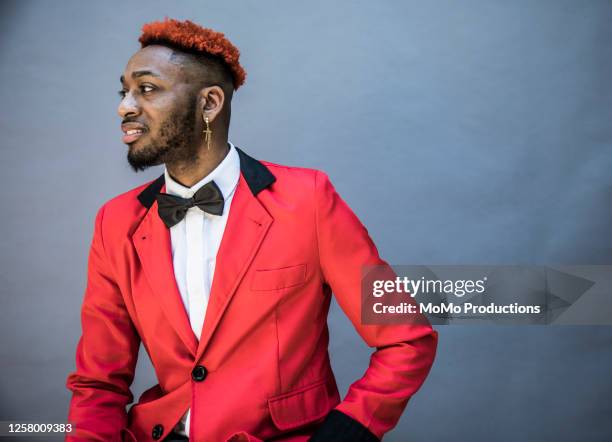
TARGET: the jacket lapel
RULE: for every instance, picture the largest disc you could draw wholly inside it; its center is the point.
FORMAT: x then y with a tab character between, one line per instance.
153	245
245	230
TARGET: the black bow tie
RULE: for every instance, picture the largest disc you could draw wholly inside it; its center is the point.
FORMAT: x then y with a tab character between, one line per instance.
172	209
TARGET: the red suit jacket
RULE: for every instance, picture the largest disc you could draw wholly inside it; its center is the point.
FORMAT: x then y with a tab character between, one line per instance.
260	369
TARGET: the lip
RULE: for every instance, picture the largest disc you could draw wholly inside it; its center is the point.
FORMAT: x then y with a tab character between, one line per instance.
128	127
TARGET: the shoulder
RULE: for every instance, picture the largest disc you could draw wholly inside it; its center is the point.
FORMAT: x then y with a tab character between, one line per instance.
124	210
304	178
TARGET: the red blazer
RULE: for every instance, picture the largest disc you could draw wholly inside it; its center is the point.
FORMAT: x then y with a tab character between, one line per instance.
260	369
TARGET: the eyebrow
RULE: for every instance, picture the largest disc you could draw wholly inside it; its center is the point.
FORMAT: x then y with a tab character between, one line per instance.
137	74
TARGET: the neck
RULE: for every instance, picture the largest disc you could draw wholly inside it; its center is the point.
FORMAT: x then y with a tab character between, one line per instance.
188	173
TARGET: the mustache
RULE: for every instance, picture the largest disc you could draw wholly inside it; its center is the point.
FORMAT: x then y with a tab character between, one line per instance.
133	120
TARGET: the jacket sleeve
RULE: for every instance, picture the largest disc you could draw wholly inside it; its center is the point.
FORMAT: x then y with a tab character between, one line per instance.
404	353
106	354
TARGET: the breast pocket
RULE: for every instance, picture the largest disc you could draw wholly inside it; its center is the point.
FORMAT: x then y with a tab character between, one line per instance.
276	279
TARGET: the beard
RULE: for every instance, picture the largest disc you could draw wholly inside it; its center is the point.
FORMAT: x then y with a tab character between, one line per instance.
176	141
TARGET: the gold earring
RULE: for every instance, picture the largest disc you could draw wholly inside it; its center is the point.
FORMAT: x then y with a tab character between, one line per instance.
207	133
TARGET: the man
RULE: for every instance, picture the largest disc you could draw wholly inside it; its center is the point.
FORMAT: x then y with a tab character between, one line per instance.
224	267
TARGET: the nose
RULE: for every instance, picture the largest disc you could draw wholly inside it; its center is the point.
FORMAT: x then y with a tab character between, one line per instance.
128	106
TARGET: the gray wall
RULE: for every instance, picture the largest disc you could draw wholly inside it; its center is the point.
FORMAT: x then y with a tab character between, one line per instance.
474	132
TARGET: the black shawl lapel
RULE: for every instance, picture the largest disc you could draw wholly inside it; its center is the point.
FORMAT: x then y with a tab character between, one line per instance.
257	176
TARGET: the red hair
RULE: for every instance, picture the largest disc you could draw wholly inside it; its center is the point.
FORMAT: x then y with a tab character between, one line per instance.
194	38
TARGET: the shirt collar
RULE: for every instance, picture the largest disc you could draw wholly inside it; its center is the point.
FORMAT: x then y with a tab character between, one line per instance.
225	175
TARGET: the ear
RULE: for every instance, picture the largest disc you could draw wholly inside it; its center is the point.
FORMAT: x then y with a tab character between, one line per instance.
211	102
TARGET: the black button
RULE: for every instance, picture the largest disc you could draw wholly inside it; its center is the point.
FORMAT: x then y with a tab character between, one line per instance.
158	431
199	373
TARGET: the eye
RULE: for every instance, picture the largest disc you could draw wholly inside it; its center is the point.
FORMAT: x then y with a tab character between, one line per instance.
146	88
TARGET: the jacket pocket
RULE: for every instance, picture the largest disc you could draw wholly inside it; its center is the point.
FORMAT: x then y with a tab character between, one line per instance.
275	279
300	407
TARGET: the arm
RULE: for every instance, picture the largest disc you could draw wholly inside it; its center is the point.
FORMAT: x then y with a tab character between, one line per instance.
404	353
105	356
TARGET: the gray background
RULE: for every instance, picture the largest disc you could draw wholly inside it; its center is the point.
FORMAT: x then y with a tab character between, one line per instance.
473	132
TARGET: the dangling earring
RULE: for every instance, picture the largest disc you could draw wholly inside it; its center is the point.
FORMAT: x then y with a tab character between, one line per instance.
207	133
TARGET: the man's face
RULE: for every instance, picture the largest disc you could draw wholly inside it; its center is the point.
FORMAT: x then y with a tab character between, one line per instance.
158	110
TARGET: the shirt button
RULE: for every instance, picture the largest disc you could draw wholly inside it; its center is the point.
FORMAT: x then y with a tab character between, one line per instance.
199	373
158	431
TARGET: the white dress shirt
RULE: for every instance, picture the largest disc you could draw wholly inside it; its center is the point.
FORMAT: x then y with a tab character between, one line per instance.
195	242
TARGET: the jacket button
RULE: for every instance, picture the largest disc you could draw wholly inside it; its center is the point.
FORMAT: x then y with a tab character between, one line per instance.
158	431
199	373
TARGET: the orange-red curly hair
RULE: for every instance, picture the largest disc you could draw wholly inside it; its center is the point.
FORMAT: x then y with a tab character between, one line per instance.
194	38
